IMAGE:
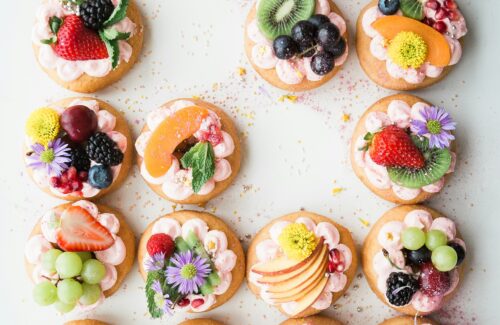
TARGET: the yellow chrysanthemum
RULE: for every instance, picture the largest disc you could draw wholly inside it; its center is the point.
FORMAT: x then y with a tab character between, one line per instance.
297	241
43	125
408	50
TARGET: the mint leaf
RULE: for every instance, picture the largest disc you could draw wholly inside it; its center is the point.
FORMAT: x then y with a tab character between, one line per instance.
118	14
55	23
49	41
201	160
113	49
112	34
154	311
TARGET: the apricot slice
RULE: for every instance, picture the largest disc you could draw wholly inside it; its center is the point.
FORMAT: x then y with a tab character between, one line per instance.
438	53
168	135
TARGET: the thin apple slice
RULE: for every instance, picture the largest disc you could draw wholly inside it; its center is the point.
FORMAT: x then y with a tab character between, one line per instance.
310	297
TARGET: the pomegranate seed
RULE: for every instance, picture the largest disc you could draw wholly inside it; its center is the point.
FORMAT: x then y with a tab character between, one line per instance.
433	4
197	303
429	21
183	302
440	26
441	14
83	176
450	4
337	261
55	181
453	15
72	173
64	178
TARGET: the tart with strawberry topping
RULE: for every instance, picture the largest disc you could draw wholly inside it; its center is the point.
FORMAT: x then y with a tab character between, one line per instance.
189	151
312	320
403	149
296	45
301	263
413	259
409	44
407	320
77	255
191	262
77	148
86	45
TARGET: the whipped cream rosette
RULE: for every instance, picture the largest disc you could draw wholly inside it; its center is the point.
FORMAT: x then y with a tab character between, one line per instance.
77	255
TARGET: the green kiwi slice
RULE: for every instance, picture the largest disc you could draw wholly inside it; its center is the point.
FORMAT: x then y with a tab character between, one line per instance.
277	17
413	8
437	163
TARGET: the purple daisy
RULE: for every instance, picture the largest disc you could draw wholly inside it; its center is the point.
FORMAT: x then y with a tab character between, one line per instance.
162	300
188	272
55	158
436	125
155	263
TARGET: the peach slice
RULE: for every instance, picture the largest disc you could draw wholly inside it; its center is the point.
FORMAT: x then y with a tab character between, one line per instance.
310	297
297	293
438	53
168	135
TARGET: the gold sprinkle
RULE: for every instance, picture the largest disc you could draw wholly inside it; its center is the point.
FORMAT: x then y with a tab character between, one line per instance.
291	98
195	97
337	190
346	117
242	71
365	223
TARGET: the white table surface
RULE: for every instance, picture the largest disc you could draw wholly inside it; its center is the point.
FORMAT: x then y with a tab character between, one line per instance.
294	153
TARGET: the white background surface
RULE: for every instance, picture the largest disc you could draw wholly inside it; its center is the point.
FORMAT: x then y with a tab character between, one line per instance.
295	153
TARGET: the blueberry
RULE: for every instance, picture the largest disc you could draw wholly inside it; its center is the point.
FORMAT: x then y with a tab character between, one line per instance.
388	7
338	49
304	33
419	257
322	63
460	252
285	47
328	35
318	20
100	176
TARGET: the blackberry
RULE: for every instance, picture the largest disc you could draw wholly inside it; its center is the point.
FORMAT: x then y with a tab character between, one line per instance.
103	150
80	160
400	288
95	12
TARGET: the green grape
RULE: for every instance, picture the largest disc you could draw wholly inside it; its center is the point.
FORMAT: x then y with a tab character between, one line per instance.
69	291
45	293
444	258
85	255
63	307
413	238
49	260
68	265
93	271
435	238
91	293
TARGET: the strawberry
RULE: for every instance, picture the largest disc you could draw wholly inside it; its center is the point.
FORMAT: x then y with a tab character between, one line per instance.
160	243
76	42
393	147
81	232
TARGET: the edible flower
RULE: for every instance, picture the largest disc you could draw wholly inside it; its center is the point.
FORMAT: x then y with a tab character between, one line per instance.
436	125
297	241
408	50
161	299
54	158
43	125
155	263
188	272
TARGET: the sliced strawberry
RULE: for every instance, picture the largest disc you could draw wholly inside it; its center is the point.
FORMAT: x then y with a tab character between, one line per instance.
81	232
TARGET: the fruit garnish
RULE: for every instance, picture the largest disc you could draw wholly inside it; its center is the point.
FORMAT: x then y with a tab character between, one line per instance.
336	262
43	125
444	258
80	231
100	176
339	49
413	8
322	63
419	256
79	122
197	302
70	181
201	160
277	17
433	282
69	291
103	150
459	250
438	49
93	271
95	12
413	238
79	159
297	241
68	265
435	238
400	288
318	19
45	293
388	7
304	34
160	244
90	294
328	36
407	50
285	47
168	135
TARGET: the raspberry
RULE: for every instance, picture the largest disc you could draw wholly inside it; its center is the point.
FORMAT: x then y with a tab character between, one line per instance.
400	288
433	282
160	243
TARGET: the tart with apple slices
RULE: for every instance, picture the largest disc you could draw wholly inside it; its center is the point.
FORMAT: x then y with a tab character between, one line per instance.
77	255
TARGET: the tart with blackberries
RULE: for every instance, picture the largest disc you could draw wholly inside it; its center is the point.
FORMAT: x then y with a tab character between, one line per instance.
409	44
86	45
77	148
413	259
296	45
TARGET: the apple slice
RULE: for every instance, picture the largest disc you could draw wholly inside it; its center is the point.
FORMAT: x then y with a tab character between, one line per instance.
283	265
309	298
168	135
297	294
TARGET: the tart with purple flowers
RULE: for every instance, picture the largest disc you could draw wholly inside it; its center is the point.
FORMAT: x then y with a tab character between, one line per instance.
403	149
78	254
413	259
296	45
301	263
86	45
189	151
409	44
191	262
77	148
407	320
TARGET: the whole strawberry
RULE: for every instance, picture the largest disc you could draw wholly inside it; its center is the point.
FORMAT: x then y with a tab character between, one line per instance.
393	147
160	243
76	42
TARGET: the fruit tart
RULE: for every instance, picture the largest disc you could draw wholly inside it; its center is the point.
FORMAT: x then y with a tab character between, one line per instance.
191	262
86	45
296	45
77	255
403	149
189	151
201	321
77	148
413	259
301	263
409	44
407	320
312	320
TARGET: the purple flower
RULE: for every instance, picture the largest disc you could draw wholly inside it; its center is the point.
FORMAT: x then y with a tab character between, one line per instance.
436	125
188	273
155	263
55	158
162	300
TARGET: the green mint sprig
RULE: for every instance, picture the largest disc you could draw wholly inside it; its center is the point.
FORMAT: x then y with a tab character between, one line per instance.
201	159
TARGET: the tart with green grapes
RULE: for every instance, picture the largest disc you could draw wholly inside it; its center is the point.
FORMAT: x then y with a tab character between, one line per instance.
191	262
413	259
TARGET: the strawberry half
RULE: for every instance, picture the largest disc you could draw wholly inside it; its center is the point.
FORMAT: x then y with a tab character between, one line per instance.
81	232
393	147
76	42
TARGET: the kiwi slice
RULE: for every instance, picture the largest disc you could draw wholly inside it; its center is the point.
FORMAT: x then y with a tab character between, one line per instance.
437	163
277	17
413	8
